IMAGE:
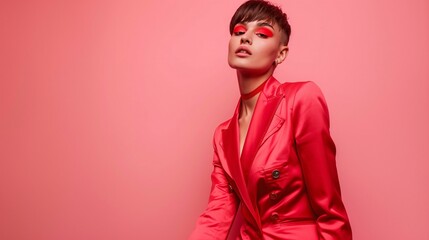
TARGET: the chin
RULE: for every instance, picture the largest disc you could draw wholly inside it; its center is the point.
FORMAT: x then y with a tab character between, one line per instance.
248	69
239	65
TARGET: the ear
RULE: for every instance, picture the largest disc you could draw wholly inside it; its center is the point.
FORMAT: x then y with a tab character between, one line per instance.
281	56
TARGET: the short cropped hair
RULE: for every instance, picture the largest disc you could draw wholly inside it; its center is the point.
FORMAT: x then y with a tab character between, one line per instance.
256	10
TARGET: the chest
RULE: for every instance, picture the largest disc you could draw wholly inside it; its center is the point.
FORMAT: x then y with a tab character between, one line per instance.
243	129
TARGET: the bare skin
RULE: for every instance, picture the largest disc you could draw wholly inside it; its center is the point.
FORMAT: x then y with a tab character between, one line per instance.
246	85
264	54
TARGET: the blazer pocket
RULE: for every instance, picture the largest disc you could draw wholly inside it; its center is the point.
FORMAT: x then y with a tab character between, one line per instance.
276	173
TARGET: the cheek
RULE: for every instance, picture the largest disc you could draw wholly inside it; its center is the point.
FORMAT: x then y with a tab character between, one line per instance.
274	49
230	52
269	51
230	46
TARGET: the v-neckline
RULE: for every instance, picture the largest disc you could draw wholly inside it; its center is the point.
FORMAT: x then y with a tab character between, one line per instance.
241	147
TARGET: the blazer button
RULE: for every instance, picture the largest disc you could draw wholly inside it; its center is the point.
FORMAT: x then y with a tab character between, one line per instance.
274	216
273	195
275	174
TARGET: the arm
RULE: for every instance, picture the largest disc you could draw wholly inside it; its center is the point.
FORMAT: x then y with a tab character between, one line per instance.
316	151
215	221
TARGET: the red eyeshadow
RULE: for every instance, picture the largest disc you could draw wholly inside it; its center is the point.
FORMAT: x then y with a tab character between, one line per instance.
265	31
239	28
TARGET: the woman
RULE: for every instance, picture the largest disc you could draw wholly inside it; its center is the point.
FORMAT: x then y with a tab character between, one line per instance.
275	156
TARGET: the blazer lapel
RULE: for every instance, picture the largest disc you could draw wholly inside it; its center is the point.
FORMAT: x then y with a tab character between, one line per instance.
263	114
275	125
239	166
230	143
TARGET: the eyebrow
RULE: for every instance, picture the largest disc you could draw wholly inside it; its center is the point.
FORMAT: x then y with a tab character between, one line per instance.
259	24
265	24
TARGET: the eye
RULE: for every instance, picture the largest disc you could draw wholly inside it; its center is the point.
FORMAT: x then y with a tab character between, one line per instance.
239	30
261	35
264	32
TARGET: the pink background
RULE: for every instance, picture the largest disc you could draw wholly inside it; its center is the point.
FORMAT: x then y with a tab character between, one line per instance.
107	111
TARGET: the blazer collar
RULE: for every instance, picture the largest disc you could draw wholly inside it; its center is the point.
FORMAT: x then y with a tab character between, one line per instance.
239	167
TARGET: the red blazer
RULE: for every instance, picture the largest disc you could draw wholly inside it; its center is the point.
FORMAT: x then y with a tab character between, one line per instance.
286	178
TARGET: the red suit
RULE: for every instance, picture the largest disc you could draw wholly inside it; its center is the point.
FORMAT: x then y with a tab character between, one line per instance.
286	178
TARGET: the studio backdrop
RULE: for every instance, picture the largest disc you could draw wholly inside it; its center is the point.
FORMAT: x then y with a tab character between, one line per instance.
108	108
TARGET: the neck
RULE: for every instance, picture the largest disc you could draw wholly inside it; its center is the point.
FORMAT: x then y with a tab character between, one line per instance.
248	83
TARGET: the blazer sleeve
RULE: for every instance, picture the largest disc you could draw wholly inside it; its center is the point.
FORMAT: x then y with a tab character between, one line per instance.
216	220
316	152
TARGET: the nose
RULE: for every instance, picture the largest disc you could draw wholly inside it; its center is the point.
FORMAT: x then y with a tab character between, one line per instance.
245	39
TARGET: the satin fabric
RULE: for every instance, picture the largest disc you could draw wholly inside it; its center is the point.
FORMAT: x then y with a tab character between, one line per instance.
285	179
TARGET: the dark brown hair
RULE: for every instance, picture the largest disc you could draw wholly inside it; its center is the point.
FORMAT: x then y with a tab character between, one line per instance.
256	10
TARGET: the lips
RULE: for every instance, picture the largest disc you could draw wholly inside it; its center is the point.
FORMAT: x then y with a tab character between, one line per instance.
243	51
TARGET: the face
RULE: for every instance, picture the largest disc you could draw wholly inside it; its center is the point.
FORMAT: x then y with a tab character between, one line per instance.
255	46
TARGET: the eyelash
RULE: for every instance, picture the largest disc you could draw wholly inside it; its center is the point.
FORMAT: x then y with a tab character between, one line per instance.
261	35
241	31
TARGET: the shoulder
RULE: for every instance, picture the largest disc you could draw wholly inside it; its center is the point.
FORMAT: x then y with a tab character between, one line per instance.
302	92
301	89
218	130
222	126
